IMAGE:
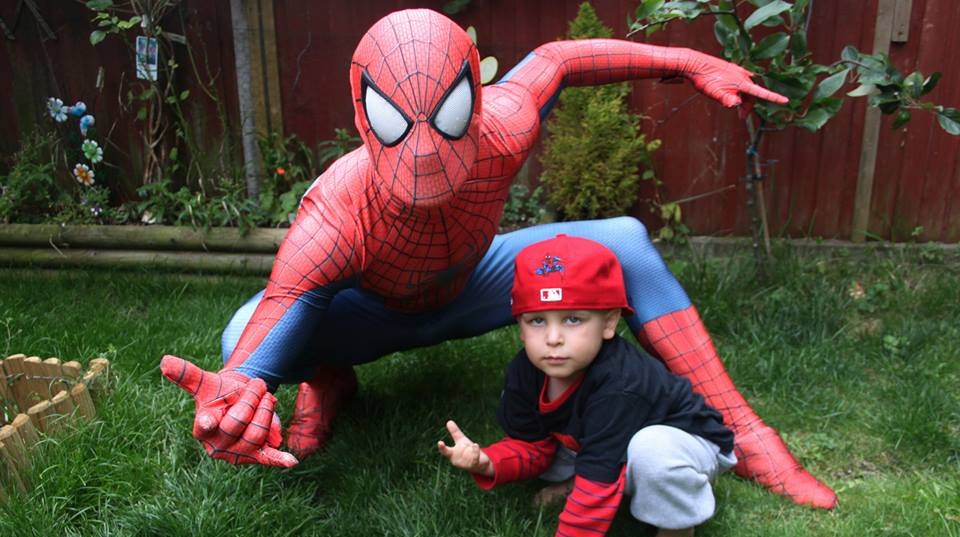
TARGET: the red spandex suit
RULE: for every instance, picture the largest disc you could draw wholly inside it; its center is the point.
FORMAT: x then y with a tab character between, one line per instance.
395	245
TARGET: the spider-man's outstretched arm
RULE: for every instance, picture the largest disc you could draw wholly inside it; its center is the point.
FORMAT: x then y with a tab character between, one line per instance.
319	256
590	62
675	332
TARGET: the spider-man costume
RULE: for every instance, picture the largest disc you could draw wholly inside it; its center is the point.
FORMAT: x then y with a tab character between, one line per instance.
395	245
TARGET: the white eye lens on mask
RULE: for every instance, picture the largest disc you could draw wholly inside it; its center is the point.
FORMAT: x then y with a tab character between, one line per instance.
452	116
389	124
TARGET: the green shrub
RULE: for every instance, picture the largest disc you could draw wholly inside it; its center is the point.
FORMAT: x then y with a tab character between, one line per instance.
594	152
29	193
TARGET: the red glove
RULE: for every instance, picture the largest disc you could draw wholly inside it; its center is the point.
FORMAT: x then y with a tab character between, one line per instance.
235	420
724	81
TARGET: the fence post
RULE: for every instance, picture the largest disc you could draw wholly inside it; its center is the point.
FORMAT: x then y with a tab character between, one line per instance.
871	131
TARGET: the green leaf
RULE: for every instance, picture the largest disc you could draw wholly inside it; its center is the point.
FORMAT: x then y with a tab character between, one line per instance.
930	83
647	8
773	9
887	102
142	113
97	36
902	118
798	11
798	44
863	90
794	87
831	105
884	74
184	94
455	6
770	46
126	25
815	118
949	119
849	54
828	86
913	84
99	5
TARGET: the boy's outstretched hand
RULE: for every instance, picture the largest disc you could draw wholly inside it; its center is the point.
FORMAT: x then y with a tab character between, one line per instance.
465	453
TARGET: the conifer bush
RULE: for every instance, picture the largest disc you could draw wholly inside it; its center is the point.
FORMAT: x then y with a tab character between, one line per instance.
594	156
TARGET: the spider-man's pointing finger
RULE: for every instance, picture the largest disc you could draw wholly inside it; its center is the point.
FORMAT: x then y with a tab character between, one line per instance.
235	418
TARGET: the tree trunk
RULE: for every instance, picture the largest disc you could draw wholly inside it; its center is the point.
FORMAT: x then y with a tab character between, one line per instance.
248	128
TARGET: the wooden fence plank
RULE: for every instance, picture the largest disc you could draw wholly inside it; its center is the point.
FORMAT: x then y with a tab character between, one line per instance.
61	411
10	436
40	415
84	403
14	366
54	371
72	370
25	428
10	474
4	391
901	21
37	378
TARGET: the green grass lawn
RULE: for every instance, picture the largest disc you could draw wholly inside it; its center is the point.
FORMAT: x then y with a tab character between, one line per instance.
866	390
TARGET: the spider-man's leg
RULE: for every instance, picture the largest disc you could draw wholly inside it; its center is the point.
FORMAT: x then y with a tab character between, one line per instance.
668	325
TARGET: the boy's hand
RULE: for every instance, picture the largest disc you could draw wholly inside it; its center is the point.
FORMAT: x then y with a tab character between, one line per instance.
465	454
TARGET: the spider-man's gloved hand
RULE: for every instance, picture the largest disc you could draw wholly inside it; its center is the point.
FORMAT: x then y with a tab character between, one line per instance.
234	420
722	80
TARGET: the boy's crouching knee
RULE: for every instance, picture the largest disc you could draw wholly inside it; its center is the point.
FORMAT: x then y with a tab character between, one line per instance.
666	489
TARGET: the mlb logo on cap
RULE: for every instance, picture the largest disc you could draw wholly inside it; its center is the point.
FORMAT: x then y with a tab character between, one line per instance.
554	294
567	273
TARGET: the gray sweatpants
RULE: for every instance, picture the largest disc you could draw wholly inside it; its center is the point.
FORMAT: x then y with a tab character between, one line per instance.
668	476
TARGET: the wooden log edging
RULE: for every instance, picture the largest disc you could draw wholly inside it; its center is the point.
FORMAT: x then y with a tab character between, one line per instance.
171	248
253	263
41	397
226	250
164	238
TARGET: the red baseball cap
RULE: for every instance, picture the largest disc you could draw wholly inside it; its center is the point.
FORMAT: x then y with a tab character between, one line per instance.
567	273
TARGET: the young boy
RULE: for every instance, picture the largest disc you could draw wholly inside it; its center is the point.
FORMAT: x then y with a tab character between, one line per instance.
580	402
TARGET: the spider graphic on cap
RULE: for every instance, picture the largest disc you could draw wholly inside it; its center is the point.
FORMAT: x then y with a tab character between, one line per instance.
395	246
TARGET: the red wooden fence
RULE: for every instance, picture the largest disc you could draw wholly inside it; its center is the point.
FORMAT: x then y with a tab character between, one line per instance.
812	176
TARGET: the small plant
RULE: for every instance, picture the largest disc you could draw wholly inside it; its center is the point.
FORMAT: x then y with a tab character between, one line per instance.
330	150
895	346
290	167
595	156
523	208
673	229
29	192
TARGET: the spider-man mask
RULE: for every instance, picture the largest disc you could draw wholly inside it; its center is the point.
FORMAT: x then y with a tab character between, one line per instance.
416	93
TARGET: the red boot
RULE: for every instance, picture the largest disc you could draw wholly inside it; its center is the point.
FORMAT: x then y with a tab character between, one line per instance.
681	341
317	404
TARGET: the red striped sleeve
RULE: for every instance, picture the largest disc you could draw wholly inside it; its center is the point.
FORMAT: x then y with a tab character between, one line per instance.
590	507
514	460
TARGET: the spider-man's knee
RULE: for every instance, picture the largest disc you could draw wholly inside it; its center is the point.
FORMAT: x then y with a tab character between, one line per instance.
626	229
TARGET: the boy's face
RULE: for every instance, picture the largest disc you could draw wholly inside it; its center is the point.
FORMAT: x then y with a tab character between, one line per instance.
563	343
